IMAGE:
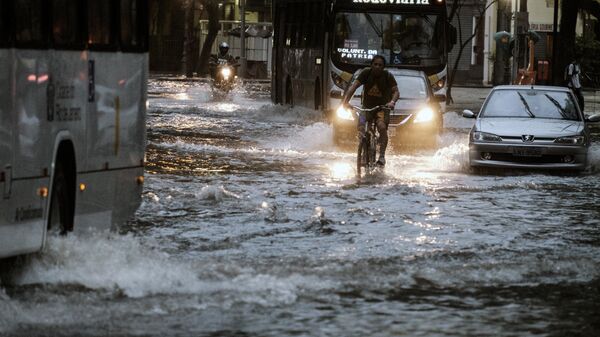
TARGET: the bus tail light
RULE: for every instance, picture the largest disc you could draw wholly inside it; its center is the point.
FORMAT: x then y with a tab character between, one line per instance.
42	192
140	180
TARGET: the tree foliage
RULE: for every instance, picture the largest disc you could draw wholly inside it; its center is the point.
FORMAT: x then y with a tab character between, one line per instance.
212	9
569	45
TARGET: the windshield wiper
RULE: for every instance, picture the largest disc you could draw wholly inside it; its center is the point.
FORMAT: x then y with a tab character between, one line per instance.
373	24
526	105
561	110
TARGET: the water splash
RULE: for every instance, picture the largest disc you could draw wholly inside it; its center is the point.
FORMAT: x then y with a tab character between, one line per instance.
216	193
314	137
125	264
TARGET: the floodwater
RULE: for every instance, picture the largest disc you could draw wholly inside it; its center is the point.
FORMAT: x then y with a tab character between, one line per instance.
253	224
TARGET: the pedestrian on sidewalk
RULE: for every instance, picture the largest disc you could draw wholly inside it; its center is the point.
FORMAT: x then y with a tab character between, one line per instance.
573	77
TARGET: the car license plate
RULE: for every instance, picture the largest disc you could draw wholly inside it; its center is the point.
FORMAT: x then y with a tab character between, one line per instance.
391	132
527	151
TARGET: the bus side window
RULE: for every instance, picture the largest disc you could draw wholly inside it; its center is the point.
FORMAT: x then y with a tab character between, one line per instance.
66	18
29	22
4	31
99	22
129	24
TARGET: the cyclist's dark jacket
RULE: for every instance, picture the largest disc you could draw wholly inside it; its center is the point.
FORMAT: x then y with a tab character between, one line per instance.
376	90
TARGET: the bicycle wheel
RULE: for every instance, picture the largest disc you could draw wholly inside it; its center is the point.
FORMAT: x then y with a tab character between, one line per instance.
372	151
360	155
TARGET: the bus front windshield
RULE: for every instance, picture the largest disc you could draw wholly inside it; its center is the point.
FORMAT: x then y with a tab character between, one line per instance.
403	39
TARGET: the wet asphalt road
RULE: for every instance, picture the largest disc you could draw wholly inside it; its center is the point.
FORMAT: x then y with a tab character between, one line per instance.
253	224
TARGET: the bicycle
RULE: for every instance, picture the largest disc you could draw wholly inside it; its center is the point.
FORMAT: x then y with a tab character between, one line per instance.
367	142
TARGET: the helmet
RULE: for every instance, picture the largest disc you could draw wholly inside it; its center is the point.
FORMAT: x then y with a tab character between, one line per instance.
223	48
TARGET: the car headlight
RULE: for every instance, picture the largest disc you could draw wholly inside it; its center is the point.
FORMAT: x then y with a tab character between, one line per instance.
572	140
338	80
439	84
485	137
343	113
226	72
424	115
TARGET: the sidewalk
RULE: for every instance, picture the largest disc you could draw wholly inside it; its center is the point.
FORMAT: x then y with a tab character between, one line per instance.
468	98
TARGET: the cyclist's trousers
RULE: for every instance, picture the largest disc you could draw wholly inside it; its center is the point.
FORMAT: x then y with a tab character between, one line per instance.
381	120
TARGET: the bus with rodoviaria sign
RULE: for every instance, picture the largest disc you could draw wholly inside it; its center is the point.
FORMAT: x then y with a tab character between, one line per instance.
73	93
319	44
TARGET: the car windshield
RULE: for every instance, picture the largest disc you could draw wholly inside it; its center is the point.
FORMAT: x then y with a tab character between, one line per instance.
403	39
409	87
531	103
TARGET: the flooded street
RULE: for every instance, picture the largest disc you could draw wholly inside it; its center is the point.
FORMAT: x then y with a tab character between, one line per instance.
253	224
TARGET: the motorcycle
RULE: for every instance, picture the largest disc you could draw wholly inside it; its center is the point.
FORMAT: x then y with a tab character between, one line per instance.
224	75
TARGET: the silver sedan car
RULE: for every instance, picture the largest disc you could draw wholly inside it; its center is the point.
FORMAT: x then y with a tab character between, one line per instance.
538	127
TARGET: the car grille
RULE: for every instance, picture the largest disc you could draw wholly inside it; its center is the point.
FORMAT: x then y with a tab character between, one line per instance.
544	159
397	119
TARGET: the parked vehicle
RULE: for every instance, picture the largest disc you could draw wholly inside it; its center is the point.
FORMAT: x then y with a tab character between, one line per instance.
537	127
416	119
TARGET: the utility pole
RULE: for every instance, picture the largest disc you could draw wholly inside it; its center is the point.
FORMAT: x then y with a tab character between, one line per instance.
554	77
243	64
521	27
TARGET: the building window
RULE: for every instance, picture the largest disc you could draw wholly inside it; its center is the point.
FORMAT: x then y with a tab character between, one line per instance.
29	22
65	23
99	22
129	23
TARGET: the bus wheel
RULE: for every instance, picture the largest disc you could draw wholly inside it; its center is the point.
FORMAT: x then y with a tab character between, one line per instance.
61	216
289	96
317	94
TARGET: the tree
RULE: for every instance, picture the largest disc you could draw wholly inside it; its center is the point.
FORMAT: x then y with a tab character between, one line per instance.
189	39
566	40
212	9
455	9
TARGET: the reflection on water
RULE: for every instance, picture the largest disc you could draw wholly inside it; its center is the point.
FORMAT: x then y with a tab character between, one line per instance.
252	223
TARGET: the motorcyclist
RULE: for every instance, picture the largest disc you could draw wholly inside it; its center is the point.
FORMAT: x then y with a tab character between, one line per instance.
223	55
380	88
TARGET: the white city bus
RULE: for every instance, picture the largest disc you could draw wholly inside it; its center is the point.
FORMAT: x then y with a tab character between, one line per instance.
73	83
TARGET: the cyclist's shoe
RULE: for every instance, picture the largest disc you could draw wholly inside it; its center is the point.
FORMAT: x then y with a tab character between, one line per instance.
381	161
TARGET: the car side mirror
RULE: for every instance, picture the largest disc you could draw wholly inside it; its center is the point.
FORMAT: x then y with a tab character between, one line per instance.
468	114
593	118
440	97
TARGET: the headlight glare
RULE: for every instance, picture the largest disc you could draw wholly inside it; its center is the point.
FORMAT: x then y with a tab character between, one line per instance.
424	115
343	113
573	140
226	72
485	137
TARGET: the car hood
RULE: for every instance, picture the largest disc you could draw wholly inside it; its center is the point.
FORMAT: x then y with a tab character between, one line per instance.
538	127
408	105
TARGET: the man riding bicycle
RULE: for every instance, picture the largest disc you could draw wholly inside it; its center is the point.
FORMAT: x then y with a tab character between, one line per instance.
380	88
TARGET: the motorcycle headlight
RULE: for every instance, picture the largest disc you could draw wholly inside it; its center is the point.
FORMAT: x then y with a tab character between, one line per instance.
424	115
485	137
226	72
572	140
343	113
